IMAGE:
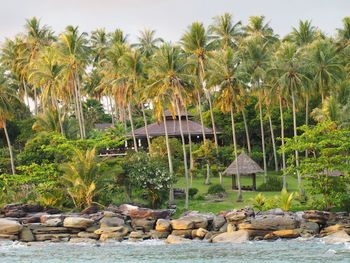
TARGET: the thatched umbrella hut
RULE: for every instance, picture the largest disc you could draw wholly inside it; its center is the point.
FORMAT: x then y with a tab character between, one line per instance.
246	166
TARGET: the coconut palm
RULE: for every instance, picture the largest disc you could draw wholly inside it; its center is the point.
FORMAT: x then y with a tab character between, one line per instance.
74	54
147	42
224	32
224	71
169	78
257	28
291	76
197	43
118	37
6	112
343	37
305	34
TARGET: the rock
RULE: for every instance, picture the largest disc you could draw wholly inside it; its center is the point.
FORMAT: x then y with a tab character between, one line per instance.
231	228
111	222
118	229
52	211
136	236
53	222
273	212
218	222
52	237
77	222
232	237
92	229
208	216
209	236
15	213
52	230
32	208
9	237
33	218
90	210
163	225
9	227
136	212
143	224
181	224
223	228
282	234
85	235
46	217
309	228
155	234
339	237
332	229
235	217
199	221
315	216
200	233
12	207
182	233
26	235
77	240
114	236
171	239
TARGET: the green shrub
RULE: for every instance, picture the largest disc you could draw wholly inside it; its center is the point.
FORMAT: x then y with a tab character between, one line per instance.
273	183
216	189
258	202
192	192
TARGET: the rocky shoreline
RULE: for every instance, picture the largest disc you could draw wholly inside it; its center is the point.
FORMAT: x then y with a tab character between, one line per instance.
31	223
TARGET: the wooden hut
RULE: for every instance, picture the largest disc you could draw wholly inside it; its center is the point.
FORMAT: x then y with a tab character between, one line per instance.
246	166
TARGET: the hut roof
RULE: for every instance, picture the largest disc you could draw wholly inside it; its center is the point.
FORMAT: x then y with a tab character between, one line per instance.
246	165
103	126
157	129
334	173
168	113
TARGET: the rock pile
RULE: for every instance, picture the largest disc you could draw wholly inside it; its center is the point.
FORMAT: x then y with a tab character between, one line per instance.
30	222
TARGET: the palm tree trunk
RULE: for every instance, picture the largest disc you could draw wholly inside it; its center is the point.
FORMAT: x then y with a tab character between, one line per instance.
170	160
132	127
239	197
246	131
282	139
110	107
306	115
77	111
26	95
35	102
201	114
190	148
81	107
146	126
213	122
59	117
262	136
10	148
184	154
273	144
301	191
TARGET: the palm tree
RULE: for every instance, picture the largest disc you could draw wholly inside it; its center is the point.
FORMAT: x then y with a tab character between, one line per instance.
291	76
343	37
74	54
224	32
256	56
6	110
147	42
225	72
169	78
197	43
258	29
118	37
46	72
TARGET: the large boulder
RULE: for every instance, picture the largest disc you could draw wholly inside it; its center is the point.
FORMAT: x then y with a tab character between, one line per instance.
120	229
26	235
137	212
171	239
155	234
53	222
335	228
199	233
309	228
218	222
111	221
236	217
182	224
199	221
9	227
163	225
77	222
85	235
90	210
339	237
315	216
282	234
143	224
182	233
240	236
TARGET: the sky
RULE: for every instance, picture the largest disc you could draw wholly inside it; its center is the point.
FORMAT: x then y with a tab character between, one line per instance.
169	18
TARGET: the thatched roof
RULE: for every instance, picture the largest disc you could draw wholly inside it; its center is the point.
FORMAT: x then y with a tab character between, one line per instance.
246	165
157	129
334	173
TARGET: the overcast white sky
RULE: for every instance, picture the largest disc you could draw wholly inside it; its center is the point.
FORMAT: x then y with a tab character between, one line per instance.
169	17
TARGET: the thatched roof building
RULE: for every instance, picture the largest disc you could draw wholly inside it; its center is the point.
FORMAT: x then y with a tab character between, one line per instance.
157	129
246	165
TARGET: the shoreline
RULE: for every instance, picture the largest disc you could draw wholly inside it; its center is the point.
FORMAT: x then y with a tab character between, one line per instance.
131	223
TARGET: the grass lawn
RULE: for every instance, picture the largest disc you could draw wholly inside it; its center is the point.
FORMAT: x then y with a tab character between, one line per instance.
228	202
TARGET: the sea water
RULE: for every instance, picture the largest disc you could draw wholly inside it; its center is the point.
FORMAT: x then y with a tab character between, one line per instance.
297	250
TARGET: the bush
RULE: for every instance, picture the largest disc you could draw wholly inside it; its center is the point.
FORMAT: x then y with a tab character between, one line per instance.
192	192
216	189
273	183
